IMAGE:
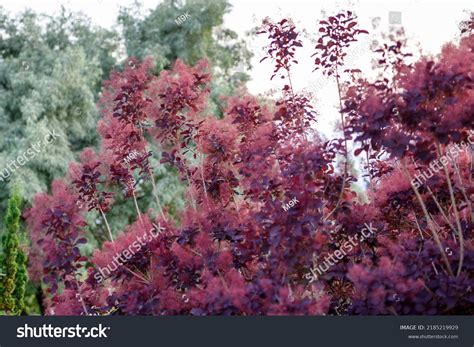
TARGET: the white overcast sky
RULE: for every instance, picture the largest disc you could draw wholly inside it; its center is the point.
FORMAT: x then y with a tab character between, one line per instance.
430	23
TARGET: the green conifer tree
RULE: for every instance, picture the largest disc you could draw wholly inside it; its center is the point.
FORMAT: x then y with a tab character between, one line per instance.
13	261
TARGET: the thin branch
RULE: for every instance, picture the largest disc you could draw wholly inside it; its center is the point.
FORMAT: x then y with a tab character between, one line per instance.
343	124
463	190
438	205
456	214
106	224
203	181
445	217
136	205
418	226
430	222
155	194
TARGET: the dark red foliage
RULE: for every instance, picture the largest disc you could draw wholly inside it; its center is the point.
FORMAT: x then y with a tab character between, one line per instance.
430	105
177	96
467	26
123	126
283	39
89	183
337	34
56	227
262	196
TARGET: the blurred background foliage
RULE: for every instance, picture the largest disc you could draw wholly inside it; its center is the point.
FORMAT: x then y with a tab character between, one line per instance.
51	73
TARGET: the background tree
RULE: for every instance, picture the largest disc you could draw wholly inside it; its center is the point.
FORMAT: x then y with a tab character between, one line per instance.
50	74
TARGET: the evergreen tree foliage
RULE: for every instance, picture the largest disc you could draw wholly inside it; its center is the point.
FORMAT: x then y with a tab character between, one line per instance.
13	261
50	74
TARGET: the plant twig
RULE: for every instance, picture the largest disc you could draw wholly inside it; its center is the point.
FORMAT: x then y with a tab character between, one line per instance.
343	125
155	194
456	214
136	205
106	224
463	190
430	222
